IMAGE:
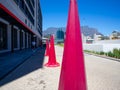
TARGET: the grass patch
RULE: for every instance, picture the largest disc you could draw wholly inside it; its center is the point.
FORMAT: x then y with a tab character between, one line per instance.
60	44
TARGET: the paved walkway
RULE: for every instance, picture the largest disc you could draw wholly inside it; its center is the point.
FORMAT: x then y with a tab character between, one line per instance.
102	74
10	61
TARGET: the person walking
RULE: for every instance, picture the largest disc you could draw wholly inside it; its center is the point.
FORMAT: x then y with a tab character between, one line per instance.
33	44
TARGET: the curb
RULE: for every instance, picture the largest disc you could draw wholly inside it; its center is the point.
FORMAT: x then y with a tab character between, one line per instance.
110	58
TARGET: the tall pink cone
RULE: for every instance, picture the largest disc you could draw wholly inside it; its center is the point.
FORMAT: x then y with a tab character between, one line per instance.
47	48
73	70
52	57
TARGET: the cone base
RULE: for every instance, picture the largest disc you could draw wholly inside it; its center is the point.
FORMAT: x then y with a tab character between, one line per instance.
52	65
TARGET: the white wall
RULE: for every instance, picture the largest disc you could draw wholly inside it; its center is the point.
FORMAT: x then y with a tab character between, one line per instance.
110	47
108	42
93	47
100	47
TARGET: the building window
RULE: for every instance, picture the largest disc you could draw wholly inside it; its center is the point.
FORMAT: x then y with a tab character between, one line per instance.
25	21
29	24
33	2
21	39
25	10
22	5
27	13
16	1
3	36
29	41
30	6
25	40
15	38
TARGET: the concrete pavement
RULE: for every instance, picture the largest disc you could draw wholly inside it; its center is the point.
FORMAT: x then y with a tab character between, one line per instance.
102	74
10	61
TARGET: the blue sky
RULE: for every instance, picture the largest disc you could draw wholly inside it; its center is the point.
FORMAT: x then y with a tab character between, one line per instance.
103	15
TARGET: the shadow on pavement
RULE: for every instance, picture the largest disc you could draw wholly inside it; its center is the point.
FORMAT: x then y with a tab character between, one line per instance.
30	65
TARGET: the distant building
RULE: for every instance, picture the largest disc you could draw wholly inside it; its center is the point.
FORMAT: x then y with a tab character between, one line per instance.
20	24
83	38
60	34
97	37
115	35
89	40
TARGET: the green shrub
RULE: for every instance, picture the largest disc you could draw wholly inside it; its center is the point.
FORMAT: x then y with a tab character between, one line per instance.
106	54
119	54
93	51
88	51
102	53
97	53
110	54
61	44
116	53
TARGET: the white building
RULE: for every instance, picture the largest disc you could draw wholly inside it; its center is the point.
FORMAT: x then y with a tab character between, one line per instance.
115	35
97	37
83	38
20	24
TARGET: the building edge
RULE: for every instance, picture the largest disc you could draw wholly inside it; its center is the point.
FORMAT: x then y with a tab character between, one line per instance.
15	34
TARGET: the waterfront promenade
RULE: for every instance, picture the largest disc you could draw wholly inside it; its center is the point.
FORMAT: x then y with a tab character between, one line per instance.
102	74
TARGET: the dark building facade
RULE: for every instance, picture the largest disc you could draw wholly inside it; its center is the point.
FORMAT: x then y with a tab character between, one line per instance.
20	24
60	34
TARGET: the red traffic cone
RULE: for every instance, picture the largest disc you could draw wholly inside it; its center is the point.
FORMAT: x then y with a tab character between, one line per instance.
52	58
73	70
47	48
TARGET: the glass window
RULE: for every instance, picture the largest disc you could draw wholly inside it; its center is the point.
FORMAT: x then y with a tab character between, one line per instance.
29	40
3	36
16	1
15	38
21	39
33	2
27	13
25	21
30	6
25	40
22	4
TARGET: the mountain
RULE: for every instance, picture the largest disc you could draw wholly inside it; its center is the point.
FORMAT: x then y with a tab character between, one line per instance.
87	31
53	30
